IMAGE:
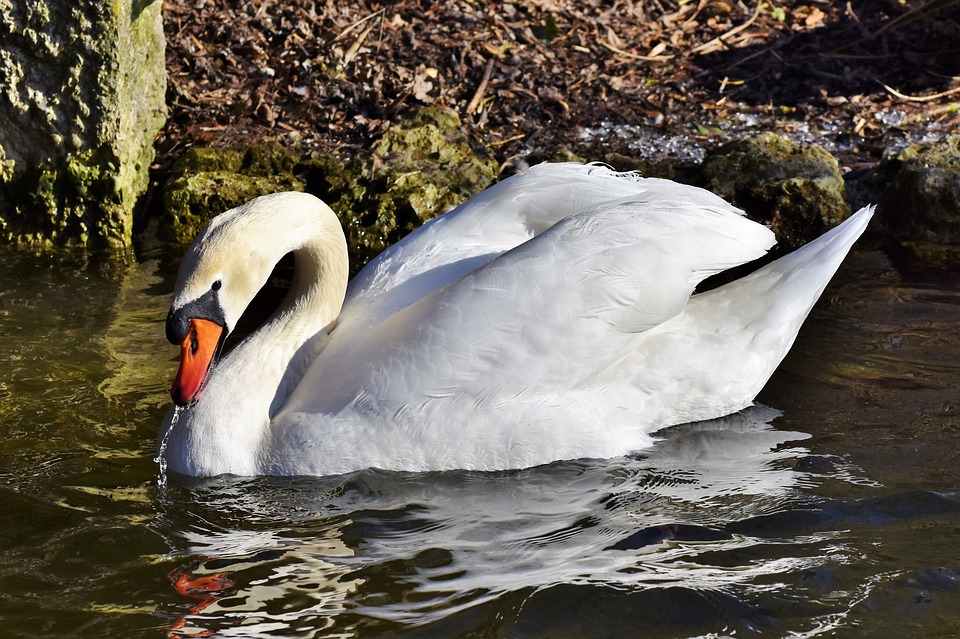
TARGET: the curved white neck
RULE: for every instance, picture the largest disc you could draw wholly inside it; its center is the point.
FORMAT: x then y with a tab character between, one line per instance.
273	359
221	432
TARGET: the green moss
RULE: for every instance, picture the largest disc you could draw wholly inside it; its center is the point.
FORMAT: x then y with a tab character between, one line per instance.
418	169
190	201
797	189
269	158
205	160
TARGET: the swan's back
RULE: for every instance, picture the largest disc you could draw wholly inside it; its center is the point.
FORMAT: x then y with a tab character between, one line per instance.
539	282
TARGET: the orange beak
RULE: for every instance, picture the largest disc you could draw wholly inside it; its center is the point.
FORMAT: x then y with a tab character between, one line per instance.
197	352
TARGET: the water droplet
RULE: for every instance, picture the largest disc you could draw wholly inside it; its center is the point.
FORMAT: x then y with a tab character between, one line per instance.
161	458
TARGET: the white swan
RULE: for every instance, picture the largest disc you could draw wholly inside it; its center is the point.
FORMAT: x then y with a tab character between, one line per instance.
548	318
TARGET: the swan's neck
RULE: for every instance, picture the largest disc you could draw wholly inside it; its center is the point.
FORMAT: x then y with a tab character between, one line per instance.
292	337
225	430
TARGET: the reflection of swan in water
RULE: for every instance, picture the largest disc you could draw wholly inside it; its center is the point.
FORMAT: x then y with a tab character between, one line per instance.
412	548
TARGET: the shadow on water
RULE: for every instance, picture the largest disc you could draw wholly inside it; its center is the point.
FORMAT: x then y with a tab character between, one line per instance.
832	514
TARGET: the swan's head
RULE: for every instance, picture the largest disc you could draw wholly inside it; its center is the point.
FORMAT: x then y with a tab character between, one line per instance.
221	272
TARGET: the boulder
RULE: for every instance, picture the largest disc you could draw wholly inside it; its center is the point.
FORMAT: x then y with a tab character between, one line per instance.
797	189
82	89
419	168
920	204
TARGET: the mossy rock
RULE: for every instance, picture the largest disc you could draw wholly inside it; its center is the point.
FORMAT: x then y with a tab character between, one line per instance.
344	187
797	189
190	201
206	182
419	168
264	160
81	102
207	160
424	166
921	202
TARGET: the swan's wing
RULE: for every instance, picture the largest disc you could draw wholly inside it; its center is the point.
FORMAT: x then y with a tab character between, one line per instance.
497	220
544	315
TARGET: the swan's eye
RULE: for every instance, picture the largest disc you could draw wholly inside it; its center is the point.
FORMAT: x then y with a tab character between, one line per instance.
216	285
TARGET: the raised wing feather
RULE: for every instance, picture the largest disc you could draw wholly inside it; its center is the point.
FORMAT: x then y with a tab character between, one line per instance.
494	222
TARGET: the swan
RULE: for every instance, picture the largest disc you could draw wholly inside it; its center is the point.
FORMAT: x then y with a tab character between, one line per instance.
553	316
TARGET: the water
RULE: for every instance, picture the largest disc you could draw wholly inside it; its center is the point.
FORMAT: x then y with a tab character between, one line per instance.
161	459
831	510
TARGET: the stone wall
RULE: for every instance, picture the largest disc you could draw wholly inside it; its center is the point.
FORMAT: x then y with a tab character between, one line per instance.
82	86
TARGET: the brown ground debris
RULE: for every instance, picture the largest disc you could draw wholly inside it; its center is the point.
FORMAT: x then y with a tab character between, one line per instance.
647	78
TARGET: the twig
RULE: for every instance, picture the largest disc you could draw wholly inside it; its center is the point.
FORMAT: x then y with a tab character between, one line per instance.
920	98
634	56
720	41
355	47
512	138
356	24
475	100
917	13
689	21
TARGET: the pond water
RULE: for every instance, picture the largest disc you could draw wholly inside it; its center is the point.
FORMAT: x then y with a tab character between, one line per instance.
830	510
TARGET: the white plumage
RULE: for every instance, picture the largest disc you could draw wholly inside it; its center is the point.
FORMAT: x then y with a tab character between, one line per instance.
548	318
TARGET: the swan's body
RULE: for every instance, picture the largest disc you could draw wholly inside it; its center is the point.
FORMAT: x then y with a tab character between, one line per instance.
548	318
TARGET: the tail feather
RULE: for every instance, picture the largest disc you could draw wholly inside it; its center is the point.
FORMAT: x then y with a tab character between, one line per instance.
796	280
728	341
765	310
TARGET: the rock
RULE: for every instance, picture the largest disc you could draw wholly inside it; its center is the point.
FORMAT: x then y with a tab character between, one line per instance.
344	186
920	205
797	189
81	100
423	167
207	182
418	169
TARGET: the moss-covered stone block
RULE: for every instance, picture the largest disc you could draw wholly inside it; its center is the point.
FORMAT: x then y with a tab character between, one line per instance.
797	189
81	100
418	169
424	166
921	202
206	182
